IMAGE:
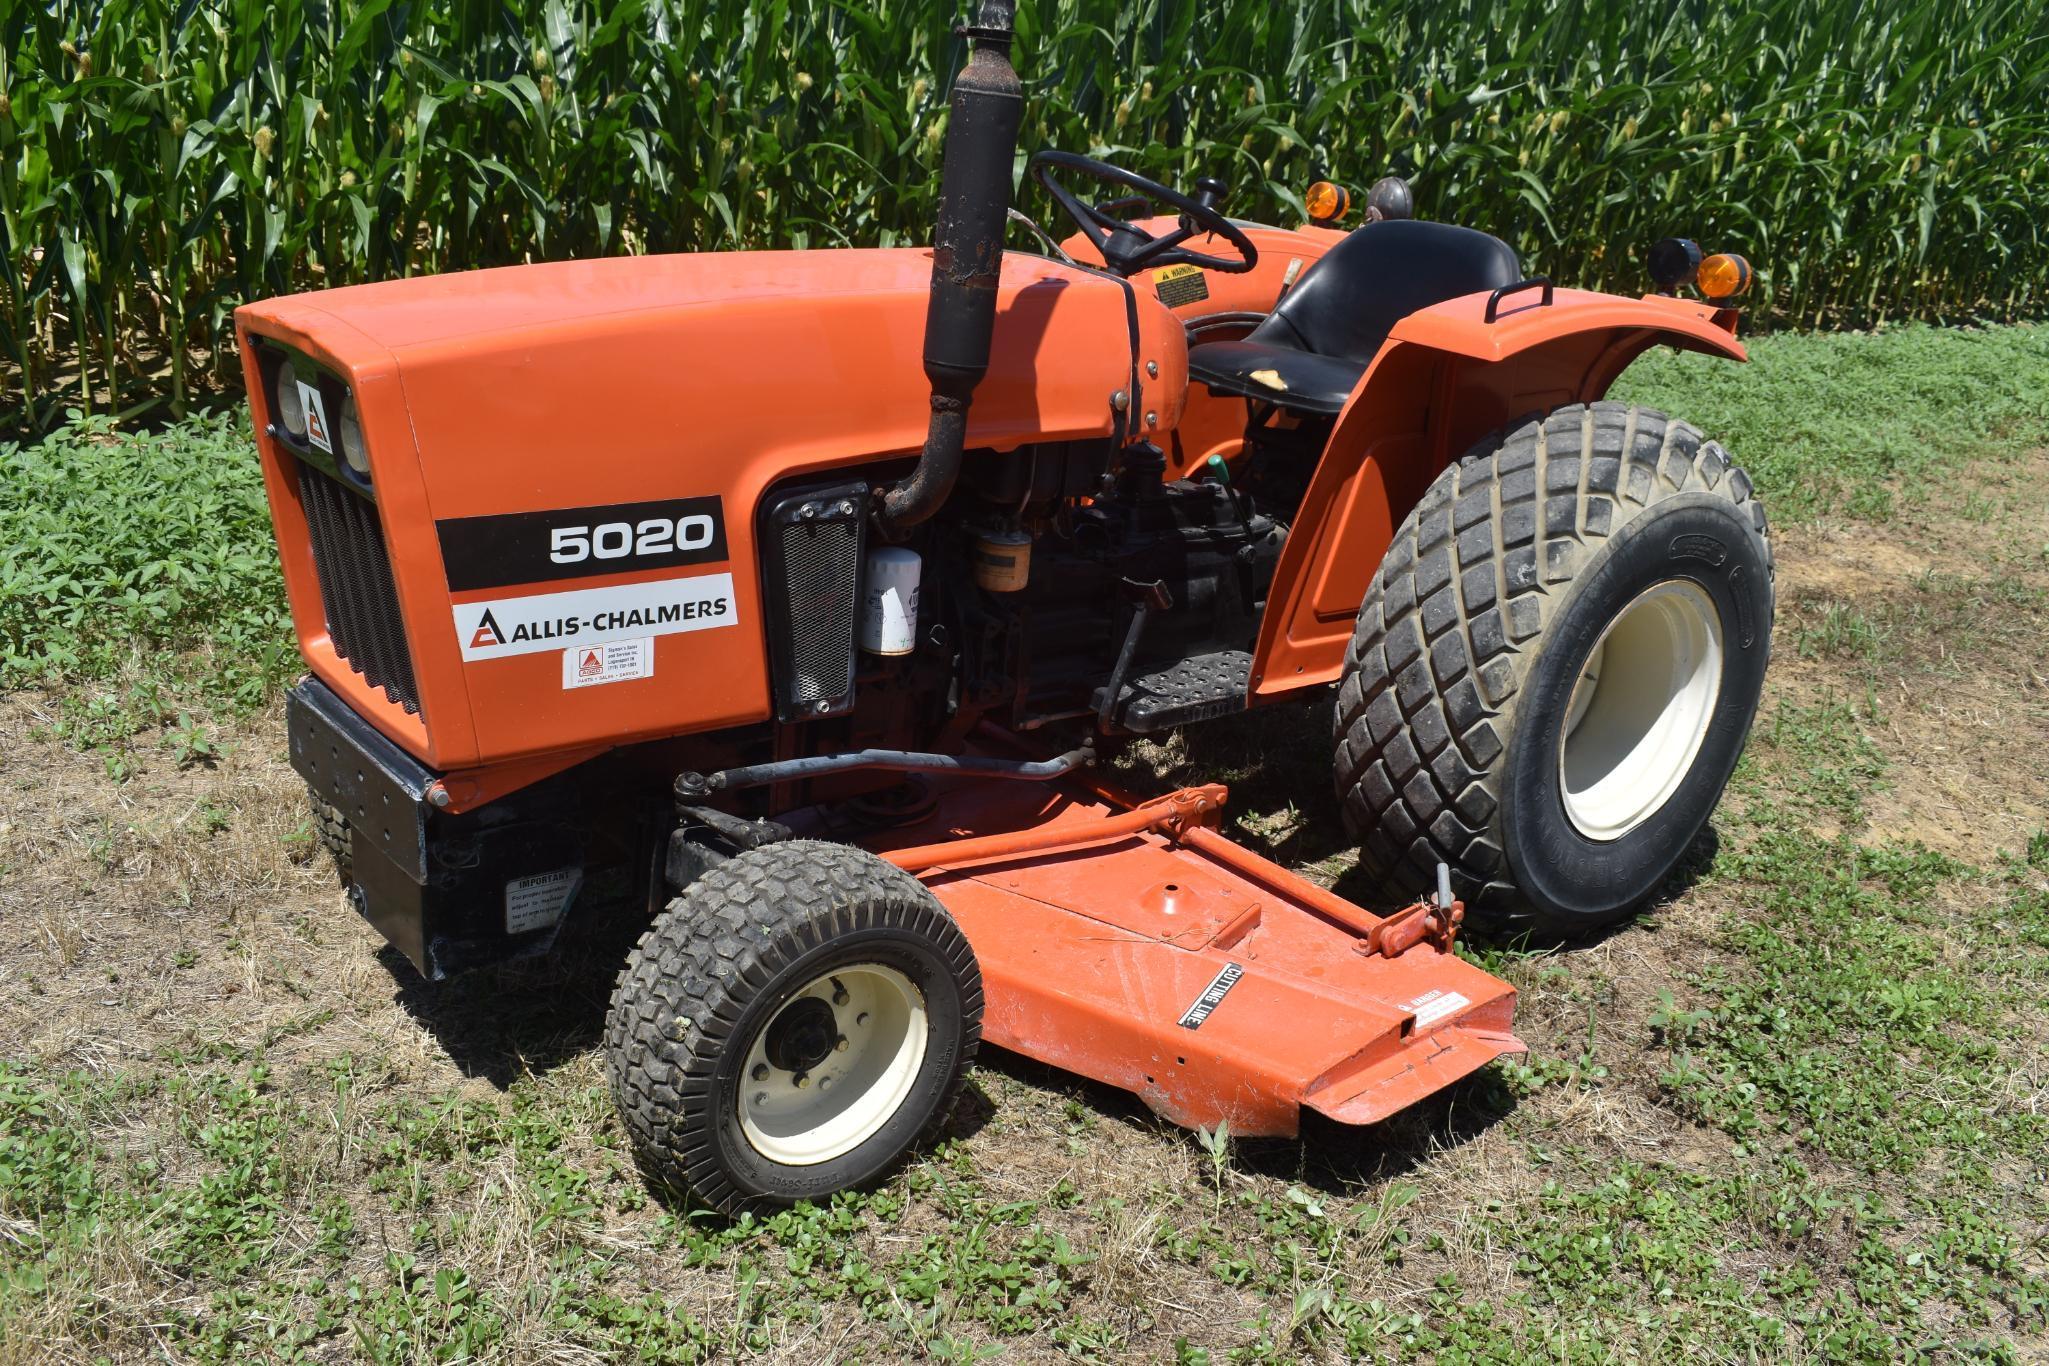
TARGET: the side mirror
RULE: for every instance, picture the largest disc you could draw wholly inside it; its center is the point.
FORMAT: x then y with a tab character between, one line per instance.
1390	197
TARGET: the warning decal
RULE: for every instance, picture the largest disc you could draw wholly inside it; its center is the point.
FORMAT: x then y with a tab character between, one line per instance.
1212	996
502	627
538	902
316	416
1178	285
1433	1006
615	661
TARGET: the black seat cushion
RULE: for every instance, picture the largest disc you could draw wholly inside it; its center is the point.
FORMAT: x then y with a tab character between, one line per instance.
1293	378
1327	329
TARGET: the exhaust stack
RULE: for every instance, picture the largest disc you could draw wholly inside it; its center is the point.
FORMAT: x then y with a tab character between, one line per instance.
967	257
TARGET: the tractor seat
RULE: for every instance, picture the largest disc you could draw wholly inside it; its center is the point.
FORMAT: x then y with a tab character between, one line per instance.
1308	354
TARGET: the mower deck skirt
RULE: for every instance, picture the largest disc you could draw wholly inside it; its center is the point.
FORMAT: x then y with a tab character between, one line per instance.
1199	983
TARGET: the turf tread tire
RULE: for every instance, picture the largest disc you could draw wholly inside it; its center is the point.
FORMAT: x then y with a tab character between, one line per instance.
1449	628
687	983
331	830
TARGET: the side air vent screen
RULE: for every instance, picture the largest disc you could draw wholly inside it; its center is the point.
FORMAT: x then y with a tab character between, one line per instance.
813	541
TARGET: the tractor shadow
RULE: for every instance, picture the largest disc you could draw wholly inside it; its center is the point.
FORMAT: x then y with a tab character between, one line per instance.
1328	1157
524	1018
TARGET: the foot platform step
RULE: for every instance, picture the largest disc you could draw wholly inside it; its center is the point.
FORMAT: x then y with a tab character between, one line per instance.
1195	689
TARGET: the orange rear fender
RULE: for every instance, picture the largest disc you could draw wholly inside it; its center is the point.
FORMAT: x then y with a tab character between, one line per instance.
1445	378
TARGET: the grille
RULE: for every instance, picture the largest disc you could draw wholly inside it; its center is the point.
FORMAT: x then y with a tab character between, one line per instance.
356	588
813	588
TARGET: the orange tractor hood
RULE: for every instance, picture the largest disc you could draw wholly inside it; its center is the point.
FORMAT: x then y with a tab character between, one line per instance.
583	384
837	323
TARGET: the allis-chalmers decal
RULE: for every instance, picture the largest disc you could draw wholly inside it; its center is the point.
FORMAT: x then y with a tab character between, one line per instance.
577	543
504	627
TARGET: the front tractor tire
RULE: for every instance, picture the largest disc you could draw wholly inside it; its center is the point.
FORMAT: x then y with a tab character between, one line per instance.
792	1025
1554	671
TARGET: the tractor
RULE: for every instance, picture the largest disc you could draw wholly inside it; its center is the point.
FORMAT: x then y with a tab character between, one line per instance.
798	601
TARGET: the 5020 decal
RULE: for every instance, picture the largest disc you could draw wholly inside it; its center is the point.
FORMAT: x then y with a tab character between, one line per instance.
568	543
619	540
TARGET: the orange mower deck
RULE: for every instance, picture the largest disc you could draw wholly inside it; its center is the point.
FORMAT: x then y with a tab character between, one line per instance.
1135	945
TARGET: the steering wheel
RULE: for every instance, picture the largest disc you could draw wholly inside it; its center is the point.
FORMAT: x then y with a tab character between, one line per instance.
1126	247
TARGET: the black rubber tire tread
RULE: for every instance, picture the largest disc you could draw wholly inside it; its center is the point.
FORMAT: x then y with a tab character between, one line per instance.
716	948
1451	623
331	829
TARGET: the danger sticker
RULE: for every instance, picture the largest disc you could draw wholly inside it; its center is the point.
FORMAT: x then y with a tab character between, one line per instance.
316	416
614	661
1212	996
1433	1006
503	627
539	902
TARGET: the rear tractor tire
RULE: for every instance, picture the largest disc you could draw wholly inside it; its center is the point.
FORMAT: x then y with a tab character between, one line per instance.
1554	671
794	1023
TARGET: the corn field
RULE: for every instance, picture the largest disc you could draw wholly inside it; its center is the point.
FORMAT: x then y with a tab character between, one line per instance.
160	162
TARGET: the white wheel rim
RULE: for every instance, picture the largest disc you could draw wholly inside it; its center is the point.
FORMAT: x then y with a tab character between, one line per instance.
1640	709
806	1115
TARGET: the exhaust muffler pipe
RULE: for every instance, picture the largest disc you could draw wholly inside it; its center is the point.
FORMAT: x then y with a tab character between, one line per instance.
967	257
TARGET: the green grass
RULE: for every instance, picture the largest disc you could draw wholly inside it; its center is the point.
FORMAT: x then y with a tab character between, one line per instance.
1876	1192
140	570
1848	423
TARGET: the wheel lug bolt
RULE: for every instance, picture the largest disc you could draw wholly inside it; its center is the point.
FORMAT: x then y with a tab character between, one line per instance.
824	1082
761	1097
803	1080
760	1072
840	997
841	1046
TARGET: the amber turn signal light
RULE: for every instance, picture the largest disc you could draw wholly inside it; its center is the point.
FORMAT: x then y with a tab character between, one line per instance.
1327	203
1723	276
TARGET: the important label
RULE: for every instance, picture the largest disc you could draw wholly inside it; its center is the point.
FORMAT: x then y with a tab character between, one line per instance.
1178	285
502	627
615	661
1433	1006
1212	996
539	902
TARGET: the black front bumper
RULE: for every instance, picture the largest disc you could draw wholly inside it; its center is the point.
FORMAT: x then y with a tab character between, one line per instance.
450	892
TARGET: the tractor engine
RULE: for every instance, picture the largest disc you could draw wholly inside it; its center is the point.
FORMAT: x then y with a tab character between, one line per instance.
1082	586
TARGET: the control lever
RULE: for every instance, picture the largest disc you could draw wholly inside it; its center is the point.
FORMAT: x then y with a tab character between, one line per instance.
1146	599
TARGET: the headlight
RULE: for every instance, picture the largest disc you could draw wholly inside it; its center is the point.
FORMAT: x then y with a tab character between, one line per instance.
286	403
352	446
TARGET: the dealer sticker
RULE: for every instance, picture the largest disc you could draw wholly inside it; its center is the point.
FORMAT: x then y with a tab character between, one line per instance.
502	627
1433	1006
615	661
538	902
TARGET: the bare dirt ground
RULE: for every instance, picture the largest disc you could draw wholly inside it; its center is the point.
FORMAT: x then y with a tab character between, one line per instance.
175	931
